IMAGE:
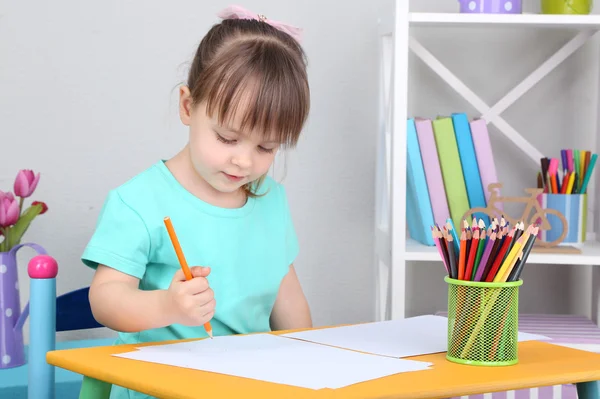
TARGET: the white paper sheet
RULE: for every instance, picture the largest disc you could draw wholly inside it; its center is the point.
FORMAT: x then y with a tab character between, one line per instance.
275	359
412	336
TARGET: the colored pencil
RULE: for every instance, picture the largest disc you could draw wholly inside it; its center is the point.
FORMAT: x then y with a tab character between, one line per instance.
511	259
588	173
544	166
511	265
472	253
462	256
494	225
438	239
566	182
446	247
492	257
570	183
500	257
452	230
518	269
519	231
469	233
515	237
480	247
474	224
453	269
183	262
486	255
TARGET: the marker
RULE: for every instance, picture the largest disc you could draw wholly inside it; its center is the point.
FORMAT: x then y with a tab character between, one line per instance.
183	263
588	173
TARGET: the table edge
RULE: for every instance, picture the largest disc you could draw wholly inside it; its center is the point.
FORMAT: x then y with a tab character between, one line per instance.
54	358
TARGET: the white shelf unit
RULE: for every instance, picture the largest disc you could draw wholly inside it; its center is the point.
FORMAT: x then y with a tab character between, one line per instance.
392	248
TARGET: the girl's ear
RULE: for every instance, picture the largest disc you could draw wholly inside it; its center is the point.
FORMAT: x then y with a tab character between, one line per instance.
185	105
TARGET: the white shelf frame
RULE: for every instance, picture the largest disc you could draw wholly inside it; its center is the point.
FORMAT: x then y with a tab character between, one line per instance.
392	249
416	19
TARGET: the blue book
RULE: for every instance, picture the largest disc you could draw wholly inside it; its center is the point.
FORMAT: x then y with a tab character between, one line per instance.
468	160
419	214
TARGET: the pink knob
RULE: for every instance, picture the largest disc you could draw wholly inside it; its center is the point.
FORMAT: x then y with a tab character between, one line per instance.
42	266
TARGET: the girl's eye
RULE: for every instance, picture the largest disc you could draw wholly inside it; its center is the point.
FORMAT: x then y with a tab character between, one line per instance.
267	150
224	140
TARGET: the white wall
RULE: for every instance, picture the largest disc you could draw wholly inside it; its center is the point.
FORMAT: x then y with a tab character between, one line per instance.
87	97
559	112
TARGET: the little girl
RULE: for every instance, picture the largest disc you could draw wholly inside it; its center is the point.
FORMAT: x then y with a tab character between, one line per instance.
246	96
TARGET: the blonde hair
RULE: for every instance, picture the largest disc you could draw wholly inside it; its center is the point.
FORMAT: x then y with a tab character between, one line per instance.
251	62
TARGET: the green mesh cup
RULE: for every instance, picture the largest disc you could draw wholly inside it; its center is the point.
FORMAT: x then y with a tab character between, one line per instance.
483	322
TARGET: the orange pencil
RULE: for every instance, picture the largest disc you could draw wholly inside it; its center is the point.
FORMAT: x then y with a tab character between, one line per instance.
462	255
183	263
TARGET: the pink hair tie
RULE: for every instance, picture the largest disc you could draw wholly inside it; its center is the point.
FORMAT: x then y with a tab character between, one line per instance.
238	12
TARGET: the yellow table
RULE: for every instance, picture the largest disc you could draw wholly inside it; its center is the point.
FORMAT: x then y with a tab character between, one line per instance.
540	364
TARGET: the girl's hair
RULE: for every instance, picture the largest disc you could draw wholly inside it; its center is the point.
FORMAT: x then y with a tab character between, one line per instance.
249	65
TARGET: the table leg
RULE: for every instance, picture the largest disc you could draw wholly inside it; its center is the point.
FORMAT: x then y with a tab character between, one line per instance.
588	390
92	388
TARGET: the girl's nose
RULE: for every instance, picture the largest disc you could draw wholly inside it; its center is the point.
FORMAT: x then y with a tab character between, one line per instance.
242	160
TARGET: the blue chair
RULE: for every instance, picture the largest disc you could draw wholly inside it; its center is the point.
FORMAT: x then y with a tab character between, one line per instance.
71	311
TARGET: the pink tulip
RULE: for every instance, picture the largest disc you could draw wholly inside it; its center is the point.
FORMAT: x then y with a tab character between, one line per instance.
25	183
8	195
9	209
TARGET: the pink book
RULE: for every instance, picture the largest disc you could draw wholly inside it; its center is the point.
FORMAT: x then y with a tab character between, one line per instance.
485	157
433	172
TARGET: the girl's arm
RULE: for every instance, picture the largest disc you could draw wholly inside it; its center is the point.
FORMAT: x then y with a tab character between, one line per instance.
291	309
119	304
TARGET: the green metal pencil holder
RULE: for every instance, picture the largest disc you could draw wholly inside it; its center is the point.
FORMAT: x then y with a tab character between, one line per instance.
483	322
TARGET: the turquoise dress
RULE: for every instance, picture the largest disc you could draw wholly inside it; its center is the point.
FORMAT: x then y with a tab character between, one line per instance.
248	249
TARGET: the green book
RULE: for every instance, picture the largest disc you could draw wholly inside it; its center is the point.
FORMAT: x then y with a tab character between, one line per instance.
452	173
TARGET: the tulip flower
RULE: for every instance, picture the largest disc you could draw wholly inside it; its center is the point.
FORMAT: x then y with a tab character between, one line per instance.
43	204
25	183
9	210
15	219
8	195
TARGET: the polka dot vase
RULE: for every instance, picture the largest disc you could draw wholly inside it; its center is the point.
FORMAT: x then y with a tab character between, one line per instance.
12	352
490	6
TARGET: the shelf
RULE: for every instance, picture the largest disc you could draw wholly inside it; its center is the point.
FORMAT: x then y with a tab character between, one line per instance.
508	20
589	256
396	44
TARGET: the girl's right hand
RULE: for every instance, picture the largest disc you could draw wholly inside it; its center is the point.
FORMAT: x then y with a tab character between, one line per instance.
192	302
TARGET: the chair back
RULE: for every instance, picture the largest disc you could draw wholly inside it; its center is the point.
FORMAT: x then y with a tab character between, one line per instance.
73	311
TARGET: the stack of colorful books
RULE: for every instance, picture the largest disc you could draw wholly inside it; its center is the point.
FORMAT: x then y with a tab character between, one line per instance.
449	167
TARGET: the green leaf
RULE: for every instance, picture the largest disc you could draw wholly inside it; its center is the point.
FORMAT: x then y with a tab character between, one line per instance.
18	230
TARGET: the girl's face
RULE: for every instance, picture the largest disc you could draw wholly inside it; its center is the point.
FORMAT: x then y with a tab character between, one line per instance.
225	157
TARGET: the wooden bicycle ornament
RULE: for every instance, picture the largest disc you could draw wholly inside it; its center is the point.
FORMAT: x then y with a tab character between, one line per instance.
533	213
